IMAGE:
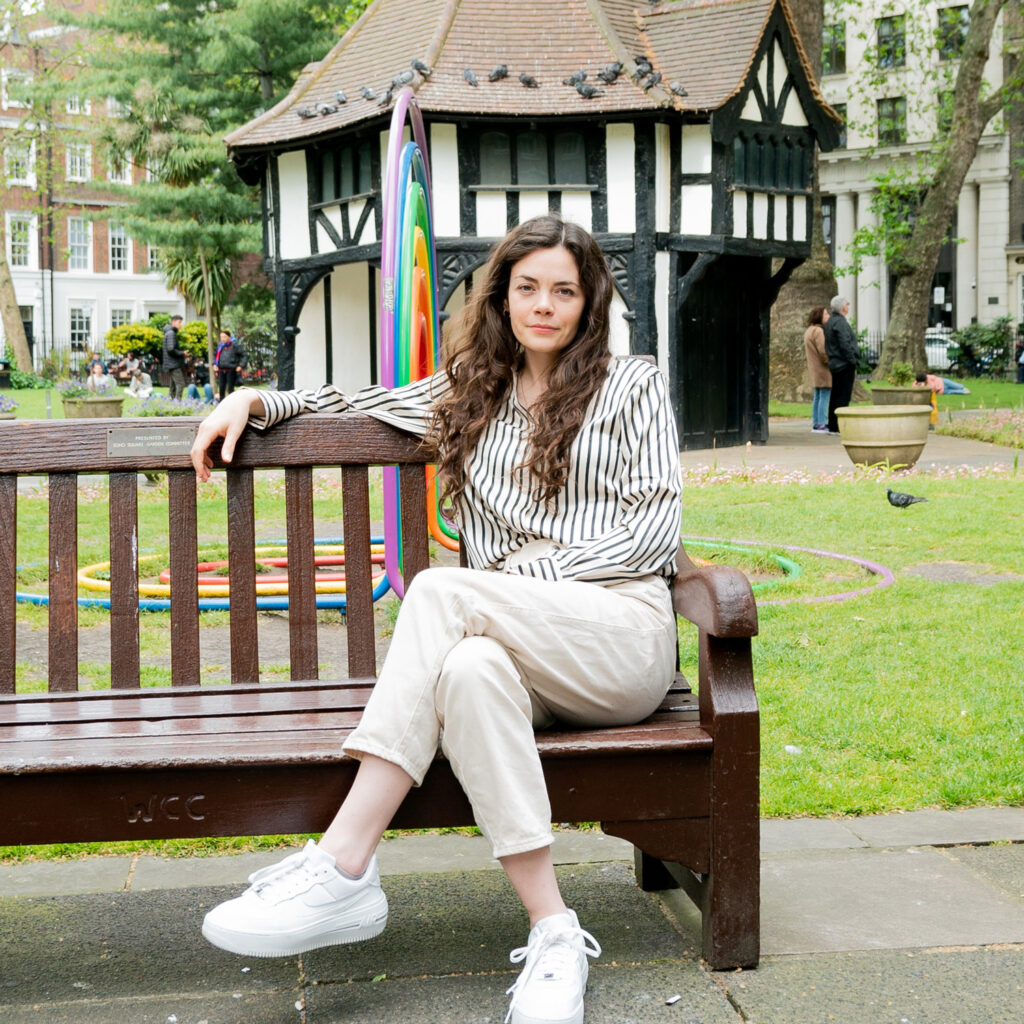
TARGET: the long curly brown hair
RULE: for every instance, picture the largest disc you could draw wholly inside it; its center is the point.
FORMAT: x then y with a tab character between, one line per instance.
482	355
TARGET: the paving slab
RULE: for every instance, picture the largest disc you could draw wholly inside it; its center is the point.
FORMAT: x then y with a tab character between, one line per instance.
1001	866
619	994
64	878
784	835
880	899
983	986
941	828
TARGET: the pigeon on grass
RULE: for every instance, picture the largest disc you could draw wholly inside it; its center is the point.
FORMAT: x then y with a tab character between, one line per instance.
900	500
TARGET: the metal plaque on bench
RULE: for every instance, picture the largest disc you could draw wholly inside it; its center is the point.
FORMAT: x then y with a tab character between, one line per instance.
129	443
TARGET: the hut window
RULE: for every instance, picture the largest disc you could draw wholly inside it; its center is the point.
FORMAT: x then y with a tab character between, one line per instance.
532	159
570	159
495	158
345	171
761	161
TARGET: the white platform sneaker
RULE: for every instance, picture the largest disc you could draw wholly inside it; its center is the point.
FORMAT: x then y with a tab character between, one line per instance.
553	981
300	904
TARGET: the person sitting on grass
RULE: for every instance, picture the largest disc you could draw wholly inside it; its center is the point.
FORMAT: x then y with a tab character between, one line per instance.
561	466
141	384
940	385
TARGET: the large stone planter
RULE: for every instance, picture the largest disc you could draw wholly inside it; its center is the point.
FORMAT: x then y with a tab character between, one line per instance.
893	434
93	408
893	394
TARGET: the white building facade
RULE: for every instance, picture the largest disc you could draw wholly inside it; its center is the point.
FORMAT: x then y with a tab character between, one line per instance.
889	68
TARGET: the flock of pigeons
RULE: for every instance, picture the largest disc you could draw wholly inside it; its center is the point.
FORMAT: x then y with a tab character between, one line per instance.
645	76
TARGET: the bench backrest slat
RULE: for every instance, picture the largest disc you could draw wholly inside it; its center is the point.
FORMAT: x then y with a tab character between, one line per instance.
415	549
63	620
8	578
124	581
245	655
184	553
302	639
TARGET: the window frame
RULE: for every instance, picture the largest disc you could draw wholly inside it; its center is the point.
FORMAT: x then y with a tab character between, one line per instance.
124	245
86	337
7	75
20	217
81	151
116	321
126	177
950	34
832	48
514	134
891	47
896	121
84	246
23	153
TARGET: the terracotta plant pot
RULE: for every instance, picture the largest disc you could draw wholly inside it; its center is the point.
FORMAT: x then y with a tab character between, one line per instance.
93	408
898	394
893	434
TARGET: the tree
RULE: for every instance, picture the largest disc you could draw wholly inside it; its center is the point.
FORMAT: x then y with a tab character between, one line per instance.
915	203
184	73
813	283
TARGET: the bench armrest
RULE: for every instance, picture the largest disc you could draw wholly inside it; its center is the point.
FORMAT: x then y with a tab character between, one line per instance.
716	598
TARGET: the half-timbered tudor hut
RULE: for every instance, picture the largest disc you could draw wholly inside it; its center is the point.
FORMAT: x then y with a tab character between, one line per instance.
681	133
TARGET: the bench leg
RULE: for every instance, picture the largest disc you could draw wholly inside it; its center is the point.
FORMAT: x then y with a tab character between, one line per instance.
651	873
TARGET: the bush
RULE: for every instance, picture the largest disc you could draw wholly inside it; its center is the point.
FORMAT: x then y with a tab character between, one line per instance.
901	375
20	380
983	348
139	338
192	337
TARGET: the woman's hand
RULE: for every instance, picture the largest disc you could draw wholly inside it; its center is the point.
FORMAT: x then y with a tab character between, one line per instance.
228	421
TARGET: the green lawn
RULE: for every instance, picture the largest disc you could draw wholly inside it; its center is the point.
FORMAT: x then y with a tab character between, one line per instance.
32	402
985	394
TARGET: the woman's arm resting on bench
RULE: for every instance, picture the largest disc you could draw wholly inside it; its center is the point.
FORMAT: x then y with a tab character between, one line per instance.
228	421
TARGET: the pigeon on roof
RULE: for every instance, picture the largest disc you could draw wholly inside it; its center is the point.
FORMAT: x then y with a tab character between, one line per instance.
325	108
609	74
497	72
529	81
470	76
385	100
404	78
586	90
341	97
677	88
367	93
575	78
651	80
418	65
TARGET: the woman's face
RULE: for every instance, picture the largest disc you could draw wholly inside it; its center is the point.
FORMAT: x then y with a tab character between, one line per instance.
824	316
545	303
97	370
225	337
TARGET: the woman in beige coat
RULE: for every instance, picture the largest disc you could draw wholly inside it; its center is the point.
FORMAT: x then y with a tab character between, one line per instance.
817	368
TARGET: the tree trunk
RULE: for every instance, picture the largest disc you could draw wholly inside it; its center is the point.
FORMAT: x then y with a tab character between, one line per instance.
211	342
14	329
813	283
904	339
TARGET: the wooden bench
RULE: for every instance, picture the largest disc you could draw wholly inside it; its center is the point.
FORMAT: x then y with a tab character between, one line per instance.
264	758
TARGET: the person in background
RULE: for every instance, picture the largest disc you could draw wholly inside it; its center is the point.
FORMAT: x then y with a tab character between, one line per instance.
141	384
843	354
940	385
174	357
817	367
99	380
230	359
200	382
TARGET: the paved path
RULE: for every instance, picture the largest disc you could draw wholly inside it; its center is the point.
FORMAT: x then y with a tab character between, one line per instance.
901	919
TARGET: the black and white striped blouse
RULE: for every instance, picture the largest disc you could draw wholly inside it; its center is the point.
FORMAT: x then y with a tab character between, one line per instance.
617	516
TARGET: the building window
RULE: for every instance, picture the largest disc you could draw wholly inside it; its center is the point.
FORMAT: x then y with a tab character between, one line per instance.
346	171
20	250
115	108
153	257
79	244
120	249
119	168
952	31
532	158
764	161
20	164
840	109
120	315
892	121
892	41
13	84
81	328
78	164
77	105
833	49
828	225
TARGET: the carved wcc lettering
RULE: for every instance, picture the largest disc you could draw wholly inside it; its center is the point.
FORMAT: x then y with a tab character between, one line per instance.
168	808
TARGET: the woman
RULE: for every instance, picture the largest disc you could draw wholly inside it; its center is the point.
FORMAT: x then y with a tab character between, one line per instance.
98	380
229	360
817	367
561	467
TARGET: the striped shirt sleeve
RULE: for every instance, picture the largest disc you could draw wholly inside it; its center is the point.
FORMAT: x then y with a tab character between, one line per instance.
644	534
408	407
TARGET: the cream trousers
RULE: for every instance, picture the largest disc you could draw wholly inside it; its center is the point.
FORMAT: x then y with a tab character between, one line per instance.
480	659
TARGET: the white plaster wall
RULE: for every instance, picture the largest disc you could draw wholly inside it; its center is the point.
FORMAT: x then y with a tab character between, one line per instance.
491	216
620	158
993	202
294	205
444	179
801	222
310	351
695	210
350	326
618	327
760	201
739	214
780	218
695	149
532	204
662	178
578	208
662	314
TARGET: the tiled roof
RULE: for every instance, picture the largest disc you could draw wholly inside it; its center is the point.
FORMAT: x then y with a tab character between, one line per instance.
706	45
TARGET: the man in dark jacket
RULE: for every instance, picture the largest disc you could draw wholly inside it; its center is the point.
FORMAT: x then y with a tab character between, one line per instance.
174	358
843	355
